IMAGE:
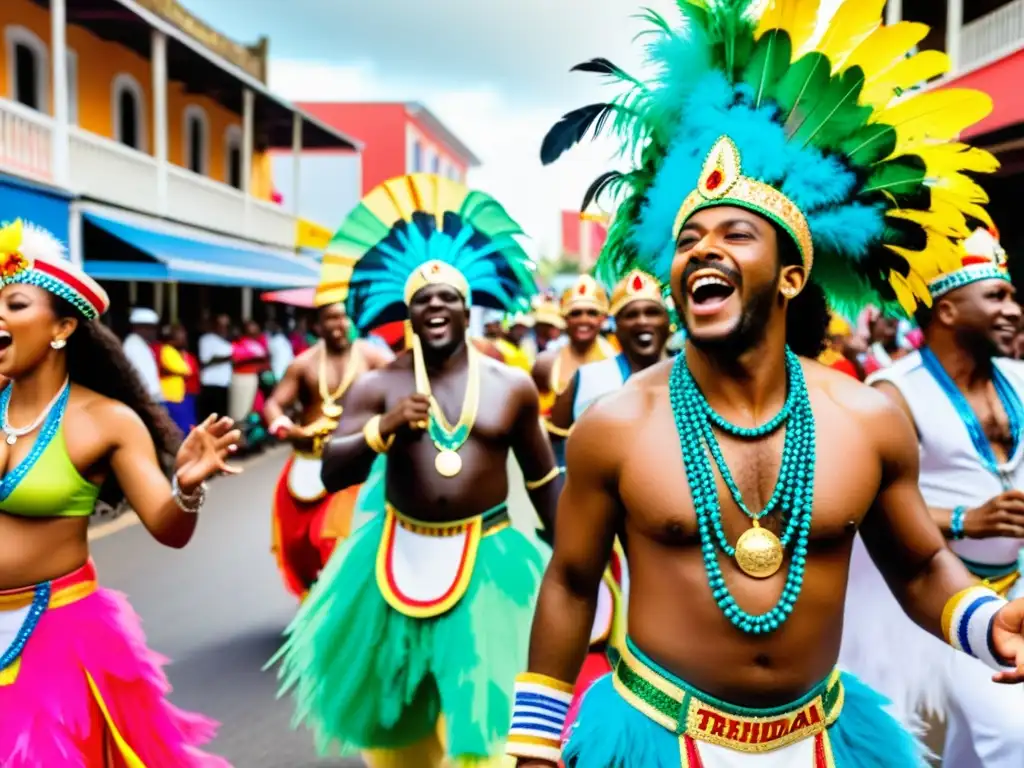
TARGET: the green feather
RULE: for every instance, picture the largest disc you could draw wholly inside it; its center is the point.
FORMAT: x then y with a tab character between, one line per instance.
801	88
871	144
837	112
898	179
768	64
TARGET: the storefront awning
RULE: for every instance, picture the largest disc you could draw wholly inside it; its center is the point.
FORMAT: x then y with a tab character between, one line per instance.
175	257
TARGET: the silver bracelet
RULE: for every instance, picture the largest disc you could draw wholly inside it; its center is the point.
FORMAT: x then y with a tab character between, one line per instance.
187	503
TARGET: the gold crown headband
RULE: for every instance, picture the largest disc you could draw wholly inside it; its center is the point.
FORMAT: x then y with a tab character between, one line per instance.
587	293
722	183
636	286
434	273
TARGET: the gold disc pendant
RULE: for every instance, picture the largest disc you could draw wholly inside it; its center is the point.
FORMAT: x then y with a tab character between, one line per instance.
331	410
759	553
448	463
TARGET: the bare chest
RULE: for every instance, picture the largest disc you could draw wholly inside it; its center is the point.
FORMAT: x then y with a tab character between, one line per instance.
992	416
655	485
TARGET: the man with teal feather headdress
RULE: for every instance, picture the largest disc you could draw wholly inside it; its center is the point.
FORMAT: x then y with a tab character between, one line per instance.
777	161
407	647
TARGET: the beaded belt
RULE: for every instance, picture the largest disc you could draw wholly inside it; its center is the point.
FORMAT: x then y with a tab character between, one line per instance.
38	599
999	578
684	710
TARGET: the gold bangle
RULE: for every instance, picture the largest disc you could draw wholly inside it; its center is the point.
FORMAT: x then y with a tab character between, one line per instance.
533	485
371	433
556	431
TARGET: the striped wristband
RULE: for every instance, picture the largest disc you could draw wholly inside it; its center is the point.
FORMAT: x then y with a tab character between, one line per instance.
538	717
967	623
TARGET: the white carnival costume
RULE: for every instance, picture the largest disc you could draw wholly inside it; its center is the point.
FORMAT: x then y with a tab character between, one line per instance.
918	672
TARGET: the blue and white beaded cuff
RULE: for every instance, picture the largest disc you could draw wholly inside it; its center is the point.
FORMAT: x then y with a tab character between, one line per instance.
972	273
538	717
967	624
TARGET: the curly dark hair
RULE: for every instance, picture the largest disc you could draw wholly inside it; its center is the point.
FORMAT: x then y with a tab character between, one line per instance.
807	316
96	361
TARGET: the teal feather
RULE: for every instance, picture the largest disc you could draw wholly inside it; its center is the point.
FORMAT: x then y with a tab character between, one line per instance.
871	144
768	64
801	88
837	112
897	179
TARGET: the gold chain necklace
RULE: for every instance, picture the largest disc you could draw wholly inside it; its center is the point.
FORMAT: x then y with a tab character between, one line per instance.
330	407
448	439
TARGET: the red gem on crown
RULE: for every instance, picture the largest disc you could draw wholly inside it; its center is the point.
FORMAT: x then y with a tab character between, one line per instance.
582	289
435	268
638	282
715	180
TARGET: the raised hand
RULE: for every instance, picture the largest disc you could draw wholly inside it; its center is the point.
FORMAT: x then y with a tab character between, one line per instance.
204	453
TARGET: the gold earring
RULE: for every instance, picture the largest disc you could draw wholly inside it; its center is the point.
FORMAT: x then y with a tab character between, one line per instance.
58	343
789	292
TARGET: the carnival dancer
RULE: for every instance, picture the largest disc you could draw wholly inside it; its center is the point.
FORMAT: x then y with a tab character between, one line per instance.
78	687
408	645
548	324
584	308
757	174
308	521
966	400
642	330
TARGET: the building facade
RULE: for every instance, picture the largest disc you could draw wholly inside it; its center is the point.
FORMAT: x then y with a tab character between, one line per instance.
583	237
156	133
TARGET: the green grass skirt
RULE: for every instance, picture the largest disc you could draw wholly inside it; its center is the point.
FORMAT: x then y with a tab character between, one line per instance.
365	676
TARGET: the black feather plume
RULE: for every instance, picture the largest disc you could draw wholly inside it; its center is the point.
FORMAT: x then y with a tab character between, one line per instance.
601	183
570	130
602	66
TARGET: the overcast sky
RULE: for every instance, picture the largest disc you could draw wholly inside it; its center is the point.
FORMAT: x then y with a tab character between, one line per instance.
495	72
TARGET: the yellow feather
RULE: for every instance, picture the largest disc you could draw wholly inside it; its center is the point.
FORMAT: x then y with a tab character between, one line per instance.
940	255
946	221
904	293
971	208
920	288
907	74
934	116
885	48
853	22
797	17
955	157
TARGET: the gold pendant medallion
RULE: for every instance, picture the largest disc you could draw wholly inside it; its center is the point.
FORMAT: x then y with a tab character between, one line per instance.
759	553
448	463
331	410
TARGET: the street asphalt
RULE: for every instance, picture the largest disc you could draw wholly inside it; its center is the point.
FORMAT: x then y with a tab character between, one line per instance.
217	609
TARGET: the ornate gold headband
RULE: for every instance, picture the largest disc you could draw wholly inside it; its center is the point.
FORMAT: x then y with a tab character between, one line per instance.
722	183
436	272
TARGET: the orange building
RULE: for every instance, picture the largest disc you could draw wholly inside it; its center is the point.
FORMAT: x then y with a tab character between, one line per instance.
157	130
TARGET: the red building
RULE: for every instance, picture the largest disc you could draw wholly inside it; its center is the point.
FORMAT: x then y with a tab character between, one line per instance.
398	138
583	237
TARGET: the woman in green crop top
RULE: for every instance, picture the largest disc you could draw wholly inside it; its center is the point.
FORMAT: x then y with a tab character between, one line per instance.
77	426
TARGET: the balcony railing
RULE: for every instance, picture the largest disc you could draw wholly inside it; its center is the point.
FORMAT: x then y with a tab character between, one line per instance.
25	141
993	35
111	172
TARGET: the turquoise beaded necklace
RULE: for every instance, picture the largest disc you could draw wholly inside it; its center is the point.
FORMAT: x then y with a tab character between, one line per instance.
793	493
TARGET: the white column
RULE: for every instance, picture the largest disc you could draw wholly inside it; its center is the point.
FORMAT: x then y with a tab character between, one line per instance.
158	299
954	32
296	162
159	55
75	246
893	12
133	293
248	141
59	66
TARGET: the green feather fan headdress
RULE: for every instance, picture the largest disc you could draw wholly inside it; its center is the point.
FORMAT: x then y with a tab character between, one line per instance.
818	128
420	229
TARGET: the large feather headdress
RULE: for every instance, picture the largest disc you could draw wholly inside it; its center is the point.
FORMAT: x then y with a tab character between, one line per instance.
818	127
420	229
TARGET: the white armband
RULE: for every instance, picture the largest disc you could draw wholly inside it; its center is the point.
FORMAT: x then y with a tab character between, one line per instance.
538	717
967	623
